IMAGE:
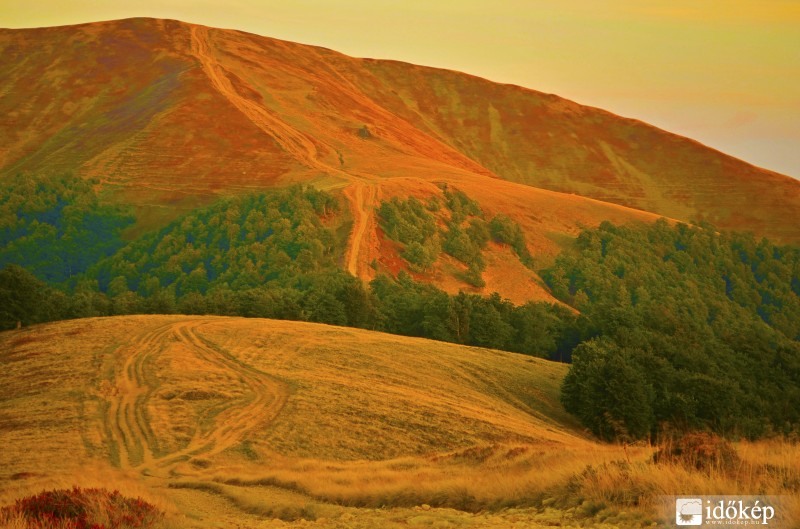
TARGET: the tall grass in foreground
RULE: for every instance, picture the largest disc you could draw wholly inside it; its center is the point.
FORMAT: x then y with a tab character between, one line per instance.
612	483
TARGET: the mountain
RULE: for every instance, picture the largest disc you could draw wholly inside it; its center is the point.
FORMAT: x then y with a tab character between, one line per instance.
184	145
168	114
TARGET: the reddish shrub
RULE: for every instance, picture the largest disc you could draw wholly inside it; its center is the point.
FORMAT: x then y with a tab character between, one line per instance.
78	508
700	450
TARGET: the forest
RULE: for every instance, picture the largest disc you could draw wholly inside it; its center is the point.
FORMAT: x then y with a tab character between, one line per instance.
676	326
57	227
684	326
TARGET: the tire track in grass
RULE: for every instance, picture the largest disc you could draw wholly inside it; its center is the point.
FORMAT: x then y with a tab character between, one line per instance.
126	408
232	420
230	425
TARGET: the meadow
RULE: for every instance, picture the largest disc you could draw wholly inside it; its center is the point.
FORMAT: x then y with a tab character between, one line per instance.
234	422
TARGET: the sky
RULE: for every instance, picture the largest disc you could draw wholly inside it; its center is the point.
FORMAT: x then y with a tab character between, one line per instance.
725	73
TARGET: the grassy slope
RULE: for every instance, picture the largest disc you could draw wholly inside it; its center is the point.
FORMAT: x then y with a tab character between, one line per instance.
144	402
170	115
346	380
236	421
545	141
217	112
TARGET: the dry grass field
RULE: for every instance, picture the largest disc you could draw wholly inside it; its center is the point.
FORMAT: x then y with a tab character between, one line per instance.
232	422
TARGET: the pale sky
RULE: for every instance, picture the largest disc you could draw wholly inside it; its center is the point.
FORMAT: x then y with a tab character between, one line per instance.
723	72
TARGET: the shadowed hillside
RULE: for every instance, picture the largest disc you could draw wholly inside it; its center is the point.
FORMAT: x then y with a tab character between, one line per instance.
167	114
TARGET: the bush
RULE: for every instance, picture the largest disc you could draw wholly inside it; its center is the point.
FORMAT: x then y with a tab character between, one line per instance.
78	508
506	231
699	450
407	221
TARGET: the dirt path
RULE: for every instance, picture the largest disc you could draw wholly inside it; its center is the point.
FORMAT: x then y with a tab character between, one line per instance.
230	425
129	430
362	200
292	141
127	411
360	194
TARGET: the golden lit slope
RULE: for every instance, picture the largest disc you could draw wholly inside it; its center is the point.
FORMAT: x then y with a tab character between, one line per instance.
169	114
178	407
233	422
153	392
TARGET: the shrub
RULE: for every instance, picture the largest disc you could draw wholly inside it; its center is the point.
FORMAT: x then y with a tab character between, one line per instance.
78	508
699	450
506	231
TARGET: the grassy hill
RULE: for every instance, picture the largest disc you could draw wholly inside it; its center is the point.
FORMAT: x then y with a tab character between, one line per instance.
314	387
228	421
548	142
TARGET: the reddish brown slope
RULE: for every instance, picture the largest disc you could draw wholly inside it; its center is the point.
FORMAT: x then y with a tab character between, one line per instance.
205	94
549	142
127	102
170	114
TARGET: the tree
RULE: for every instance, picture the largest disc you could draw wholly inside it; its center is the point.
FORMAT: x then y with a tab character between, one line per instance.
608	391
24	299
488	326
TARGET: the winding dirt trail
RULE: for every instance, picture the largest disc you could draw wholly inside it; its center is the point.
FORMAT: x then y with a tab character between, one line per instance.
129	431
127	412
291	140
361	195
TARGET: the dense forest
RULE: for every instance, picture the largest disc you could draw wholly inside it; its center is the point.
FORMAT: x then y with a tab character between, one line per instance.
684	326
277	255
677	326
57	227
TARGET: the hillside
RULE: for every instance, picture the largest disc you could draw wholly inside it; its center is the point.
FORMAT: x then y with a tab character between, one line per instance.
168	114
232	422
209	387
549	142
183	405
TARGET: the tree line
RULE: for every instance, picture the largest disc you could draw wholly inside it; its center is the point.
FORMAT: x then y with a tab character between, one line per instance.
278	255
